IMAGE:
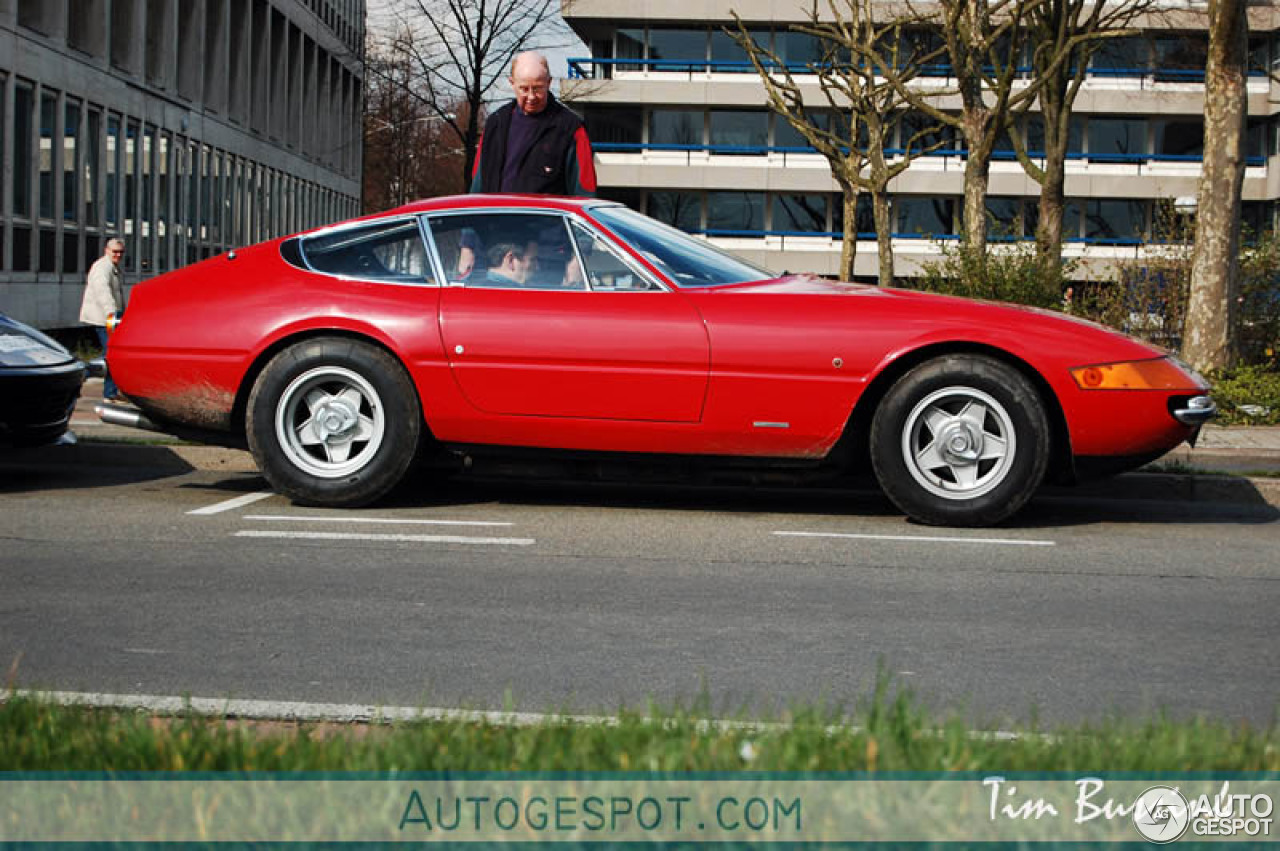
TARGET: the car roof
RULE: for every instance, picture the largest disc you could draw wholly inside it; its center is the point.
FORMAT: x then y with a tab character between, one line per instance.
505	201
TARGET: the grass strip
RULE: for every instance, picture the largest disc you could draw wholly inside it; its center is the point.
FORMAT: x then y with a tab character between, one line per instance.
889	733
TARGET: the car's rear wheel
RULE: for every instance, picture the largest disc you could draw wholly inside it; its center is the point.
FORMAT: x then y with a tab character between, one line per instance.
962	440
333	422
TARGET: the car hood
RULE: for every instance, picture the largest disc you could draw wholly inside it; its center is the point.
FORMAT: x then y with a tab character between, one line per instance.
22	346
923	317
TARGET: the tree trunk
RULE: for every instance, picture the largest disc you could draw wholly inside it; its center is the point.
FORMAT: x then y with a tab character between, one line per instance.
849	247
1208	339
1052	192
977	175
884	236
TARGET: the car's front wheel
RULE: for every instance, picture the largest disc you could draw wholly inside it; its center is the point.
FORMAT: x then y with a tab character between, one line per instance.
333	422
962	440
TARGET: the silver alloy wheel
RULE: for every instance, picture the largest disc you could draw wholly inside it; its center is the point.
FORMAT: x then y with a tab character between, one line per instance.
330	422
959	443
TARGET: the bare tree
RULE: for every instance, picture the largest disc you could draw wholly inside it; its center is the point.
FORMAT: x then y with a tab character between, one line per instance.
408	152
866	110
984	42
1208	340
1064	36
462	52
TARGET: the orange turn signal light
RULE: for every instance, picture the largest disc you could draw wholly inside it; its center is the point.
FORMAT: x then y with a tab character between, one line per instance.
1156	374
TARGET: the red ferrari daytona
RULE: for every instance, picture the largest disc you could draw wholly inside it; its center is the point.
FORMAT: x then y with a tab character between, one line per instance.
339	355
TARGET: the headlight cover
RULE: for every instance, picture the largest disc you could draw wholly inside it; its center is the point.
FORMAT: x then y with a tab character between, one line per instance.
1163	373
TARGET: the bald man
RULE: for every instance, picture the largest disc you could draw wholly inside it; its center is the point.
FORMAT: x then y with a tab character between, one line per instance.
534	143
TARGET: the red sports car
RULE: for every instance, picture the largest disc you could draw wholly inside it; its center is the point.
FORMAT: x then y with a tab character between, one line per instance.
339	355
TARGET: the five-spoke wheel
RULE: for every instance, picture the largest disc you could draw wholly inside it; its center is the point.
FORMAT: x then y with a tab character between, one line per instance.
960	440
333	422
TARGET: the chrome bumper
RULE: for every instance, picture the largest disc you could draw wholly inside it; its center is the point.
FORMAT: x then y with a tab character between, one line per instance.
1197	411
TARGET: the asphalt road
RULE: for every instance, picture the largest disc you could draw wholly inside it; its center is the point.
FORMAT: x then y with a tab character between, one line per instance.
131	579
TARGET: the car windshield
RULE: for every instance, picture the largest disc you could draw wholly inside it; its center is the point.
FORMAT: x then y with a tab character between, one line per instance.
688	261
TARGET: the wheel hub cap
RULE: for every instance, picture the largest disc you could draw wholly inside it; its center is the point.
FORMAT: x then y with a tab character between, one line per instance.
961	442
335	420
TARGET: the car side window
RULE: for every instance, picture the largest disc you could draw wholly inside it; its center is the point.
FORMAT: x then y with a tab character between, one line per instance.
604	269
383	251
505	250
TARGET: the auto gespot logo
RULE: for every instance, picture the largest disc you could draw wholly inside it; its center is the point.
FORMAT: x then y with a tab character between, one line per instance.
1163	814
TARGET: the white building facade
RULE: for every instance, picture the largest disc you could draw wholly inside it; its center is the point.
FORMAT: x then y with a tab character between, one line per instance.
682	131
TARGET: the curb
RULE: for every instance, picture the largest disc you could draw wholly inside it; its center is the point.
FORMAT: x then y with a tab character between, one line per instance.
1179	486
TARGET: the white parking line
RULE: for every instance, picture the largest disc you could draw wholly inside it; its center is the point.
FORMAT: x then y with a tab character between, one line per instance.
237	502
414	539
408	521
923	539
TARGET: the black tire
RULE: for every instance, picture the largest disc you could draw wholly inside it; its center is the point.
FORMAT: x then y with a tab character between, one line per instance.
333	422
961	440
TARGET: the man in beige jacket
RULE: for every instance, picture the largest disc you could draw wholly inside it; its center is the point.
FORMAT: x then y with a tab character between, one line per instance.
104	295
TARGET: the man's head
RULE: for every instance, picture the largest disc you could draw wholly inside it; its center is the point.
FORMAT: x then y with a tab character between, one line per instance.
114	250
513	260
531	81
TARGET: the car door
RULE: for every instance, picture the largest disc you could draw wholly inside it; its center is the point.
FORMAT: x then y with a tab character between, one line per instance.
577	334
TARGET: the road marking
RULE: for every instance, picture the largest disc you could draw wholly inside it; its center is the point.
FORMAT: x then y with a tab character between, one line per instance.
924	539
145	651
236	502
287	710
390	520
414	539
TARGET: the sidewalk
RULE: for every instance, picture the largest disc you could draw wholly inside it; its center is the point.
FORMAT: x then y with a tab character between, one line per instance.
1245	455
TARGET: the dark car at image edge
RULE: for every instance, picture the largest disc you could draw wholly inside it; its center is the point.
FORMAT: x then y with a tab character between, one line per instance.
40	382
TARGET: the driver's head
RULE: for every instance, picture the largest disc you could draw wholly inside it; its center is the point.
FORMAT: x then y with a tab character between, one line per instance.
514	260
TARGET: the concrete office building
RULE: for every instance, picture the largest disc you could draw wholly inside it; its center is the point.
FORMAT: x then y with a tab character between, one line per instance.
185	127
682	132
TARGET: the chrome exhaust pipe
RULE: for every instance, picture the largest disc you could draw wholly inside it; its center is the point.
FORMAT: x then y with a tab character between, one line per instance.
114	415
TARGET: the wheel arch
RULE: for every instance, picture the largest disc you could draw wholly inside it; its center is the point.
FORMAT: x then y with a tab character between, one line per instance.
854	449
240	407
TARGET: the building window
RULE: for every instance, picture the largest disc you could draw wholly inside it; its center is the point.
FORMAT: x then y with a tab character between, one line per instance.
678	209
925	216
1125	55
615	125
739	129
92	166
1114	220
130	219
629	45
123	14
677	46
735	211
797	50
48	118
1180	58
1178	138
113	170
164	151
800	213
729	55
70	161
86	26
23	105
1117	137
1004	217
148	217
675	127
